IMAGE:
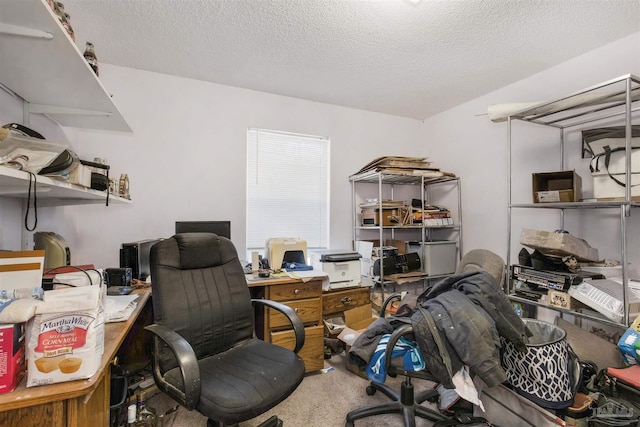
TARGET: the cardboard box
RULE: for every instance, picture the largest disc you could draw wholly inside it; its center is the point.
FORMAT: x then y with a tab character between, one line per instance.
356	320
390	217
359	318
377	301
333	326
12	362
563	300
21	269
551	187
560	244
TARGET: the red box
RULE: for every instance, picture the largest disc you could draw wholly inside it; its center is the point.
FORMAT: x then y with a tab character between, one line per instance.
12	366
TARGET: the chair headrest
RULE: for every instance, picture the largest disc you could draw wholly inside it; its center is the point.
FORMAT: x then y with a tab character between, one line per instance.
202	250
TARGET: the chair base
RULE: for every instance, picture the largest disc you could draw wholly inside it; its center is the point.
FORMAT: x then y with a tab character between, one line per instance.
406	403
274	421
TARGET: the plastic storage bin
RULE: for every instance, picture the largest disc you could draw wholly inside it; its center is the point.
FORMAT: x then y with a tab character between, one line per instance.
117	399
437	257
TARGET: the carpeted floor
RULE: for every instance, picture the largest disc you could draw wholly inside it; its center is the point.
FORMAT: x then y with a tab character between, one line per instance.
322	400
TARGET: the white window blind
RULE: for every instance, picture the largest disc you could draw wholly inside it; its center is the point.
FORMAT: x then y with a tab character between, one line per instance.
287	188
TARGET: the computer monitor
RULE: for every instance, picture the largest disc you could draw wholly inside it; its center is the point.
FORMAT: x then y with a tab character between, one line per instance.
221	228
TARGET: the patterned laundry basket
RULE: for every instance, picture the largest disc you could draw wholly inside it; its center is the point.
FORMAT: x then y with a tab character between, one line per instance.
549	372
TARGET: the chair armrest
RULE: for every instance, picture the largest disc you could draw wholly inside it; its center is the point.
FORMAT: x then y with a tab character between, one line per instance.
394	370
294	319
187	362
395	296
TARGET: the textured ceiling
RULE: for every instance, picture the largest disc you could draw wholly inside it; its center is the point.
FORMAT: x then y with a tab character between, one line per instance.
401	57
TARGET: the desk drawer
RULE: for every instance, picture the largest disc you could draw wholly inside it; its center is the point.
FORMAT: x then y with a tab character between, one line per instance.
309	310
312	352
338	301
288	292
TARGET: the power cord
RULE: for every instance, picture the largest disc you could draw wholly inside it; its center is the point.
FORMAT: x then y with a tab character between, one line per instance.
32	181
85	271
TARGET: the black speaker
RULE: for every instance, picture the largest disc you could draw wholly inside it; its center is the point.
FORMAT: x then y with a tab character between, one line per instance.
118	276
398	264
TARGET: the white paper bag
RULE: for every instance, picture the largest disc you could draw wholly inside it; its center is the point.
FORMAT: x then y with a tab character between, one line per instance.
65	339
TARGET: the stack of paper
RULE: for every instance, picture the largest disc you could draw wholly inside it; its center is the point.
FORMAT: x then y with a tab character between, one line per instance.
118	308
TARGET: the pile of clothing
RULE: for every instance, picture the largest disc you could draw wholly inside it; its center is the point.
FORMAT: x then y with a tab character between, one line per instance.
456	323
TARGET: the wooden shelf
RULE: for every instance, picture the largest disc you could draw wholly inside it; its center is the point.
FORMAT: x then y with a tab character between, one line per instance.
40	63
51	192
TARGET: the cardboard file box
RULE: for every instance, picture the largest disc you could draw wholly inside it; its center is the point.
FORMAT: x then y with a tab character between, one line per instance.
21	269
553	187
282	248
437	257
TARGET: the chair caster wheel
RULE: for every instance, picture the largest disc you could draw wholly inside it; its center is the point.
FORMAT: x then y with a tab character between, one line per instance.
371	390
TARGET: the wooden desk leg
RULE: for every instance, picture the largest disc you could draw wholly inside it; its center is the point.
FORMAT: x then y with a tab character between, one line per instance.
92	409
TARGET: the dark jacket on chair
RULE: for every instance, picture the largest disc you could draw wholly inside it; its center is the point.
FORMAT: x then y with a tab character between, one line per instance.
456	322
483	289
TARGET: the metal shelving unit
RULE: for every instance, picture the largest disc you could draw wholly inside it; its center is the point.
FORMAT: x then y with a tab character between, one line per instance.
612	102
389	181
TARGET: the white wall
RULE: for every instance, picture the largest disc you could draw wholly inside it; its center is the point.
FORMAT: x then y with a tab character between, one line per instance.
186	156
476	149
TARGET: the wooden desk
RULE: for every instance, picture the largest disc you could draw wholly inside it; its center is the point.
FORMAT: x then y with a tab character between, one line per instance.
336	302
305	297
79	403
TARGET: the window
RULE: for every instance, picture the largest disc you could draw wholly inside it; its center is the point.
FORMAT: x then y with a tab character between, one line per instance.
287	188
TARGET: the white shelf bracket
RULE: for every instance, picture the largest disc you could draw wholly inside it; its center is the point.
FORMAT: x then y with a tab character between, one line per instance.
53	109
17	30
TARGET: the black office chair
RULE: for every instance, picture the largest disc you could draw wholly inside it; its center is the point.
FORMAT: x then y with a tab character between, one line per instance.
205	355
406	401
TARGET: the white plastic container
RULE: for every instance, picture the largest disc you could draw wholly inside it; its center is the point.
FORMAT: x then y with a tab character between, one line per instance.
437	257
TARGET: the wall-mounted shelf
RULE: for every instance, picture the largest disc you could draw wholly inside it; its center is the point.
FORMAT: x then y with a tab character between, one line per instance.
43	66
51	192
